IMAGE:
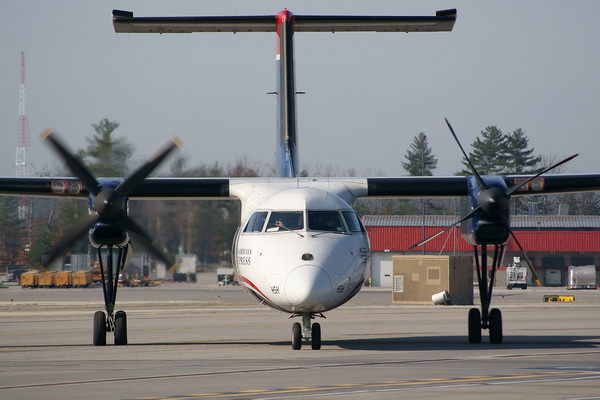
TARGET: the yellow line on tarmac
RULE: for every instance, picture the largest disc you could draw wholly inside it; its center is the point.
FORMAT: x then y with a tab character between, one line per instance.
421	382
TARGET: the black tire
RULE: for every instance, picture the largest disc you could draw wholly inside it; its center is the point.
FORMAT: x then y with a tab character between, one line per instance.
99	338
495	326
120	328
316	336
296	336
474	326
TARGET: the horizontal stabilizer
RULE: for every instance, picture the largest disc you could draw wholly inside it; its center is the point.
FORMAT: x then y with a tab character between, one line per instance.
125	22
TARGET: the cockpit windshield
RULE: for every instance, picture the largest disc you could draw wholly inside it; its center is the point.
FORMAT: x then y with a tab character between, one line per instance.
353	222
328	221
256	222
285	221
324	221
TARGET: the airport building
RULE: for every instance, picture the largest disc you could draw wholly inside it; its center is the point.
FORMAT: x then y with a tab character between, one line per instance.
553	243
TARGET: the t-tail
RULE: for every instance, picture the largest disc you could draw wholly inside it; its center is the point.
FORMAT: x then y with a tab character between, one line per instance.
285	24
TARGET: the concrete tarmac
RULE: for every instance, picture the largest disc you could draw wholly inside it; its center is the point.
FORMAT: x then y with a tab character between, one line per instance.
201	341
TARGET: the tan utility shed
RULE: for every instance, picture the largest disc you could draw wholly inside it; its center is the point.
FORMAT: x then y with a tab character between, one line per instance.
416	278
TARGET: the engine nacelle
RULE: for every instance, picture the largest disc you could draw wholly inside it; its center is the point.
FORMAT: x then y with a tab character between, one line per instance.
491	225
102	234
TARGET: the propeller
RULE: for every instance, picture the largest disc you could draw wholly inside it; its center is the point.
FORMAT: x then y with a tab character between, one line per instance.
107	221
493	202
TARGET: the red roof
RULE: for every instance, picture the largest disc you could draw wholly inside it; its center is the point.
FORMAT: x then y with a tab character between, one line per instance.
400	238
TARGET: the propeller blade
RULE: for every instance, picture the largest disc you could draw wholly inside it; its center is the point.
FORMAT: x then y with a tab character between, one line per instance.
143	238
74	233
521	184
72	162
480	181
533	273
469	215
135	179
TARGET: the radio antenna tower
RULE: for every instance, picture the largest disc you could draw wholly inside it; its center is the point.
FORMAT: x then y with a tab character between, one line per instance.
21	164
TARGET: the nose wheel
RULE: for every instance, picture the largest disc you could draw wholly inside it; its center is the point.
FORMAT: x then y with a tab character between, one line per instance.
306	331
116	324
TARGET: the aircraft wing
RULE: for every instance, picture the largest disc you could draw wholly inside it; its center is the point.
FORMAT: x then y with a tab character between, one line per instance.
215	188
414	186
125	22
457	186
552	184
152	188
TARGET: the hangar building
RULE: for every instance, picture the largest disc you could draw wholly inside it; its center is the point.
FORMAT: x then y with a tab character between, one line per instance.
553	243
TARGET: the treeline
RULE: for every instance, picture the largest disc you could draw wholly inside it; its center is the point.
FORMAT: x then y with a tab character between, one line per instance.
496	153
207	227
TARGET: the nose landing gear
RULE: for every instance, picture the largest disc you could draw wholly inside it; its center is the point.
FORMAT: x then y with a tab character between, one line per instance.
110	321
307	331
486	319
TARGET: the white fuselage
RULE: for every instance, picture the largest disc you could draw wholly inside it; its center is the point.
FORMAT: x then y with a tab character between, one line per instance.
301	250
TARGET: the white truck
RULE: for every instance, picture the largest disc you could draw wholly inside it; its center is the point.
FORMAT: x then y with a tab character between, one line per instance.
226	276
583	277
516	275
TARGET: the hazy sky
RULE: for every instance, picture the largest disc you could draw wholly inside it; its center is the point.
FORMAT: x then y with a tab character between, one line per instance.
514	64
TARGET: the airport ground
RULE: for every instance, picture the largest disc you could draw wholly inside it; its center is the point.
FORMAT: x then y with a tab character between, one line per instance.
201	341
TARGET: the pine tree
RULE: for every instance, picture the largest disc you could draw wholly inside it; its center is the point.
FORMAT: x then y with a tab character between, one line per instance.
520	158
105	155
489	153
419	158
420	162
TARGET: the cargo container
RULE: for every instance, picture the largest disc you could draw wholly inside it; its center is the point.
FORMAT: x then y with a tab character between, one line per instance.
46	279
82	278
63	279
583	277
29	279
425	279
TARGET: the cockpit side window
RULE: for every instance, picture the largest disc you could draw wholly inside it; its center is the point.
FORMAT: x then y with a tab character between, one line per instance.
328	221
285	221
256	222
353	221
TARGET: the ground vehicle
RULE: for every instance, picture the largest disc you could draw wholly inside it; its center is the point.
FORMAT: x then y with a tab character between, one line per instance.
516	276
15	275
582	277
225	276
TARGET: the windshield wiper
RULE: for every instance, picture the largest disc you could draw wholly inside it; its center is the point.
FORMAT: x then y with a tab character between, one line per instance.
285	228
323	232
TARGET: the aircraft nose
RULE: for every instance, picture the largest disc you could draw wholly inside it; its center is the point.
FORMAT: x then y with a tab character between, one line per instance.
307	287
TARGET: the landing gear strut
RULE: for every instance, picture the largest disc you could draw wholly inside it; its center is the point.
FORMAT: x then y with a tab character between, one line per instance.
307	331
486	319
108	320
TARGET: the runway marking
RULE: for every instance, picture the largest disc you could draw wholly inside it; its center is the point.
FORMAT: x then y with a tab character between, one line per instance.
356	388
261	370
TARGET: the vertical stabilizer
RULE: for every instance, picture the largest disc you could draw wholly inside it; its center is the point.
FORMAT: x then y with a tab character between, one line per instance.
287	150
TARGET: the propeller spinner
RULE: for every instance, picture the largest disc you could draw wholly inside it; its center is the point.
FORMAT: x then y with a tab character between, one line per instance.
107	221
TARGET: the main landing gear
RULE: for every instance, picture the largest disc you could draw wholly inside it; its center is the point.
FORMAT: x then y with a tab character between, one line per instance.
110	321
486	319
306	331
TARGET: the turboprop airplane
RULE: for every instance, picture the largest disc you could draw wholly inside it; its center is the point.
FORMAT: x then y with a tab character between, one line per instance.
300	248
